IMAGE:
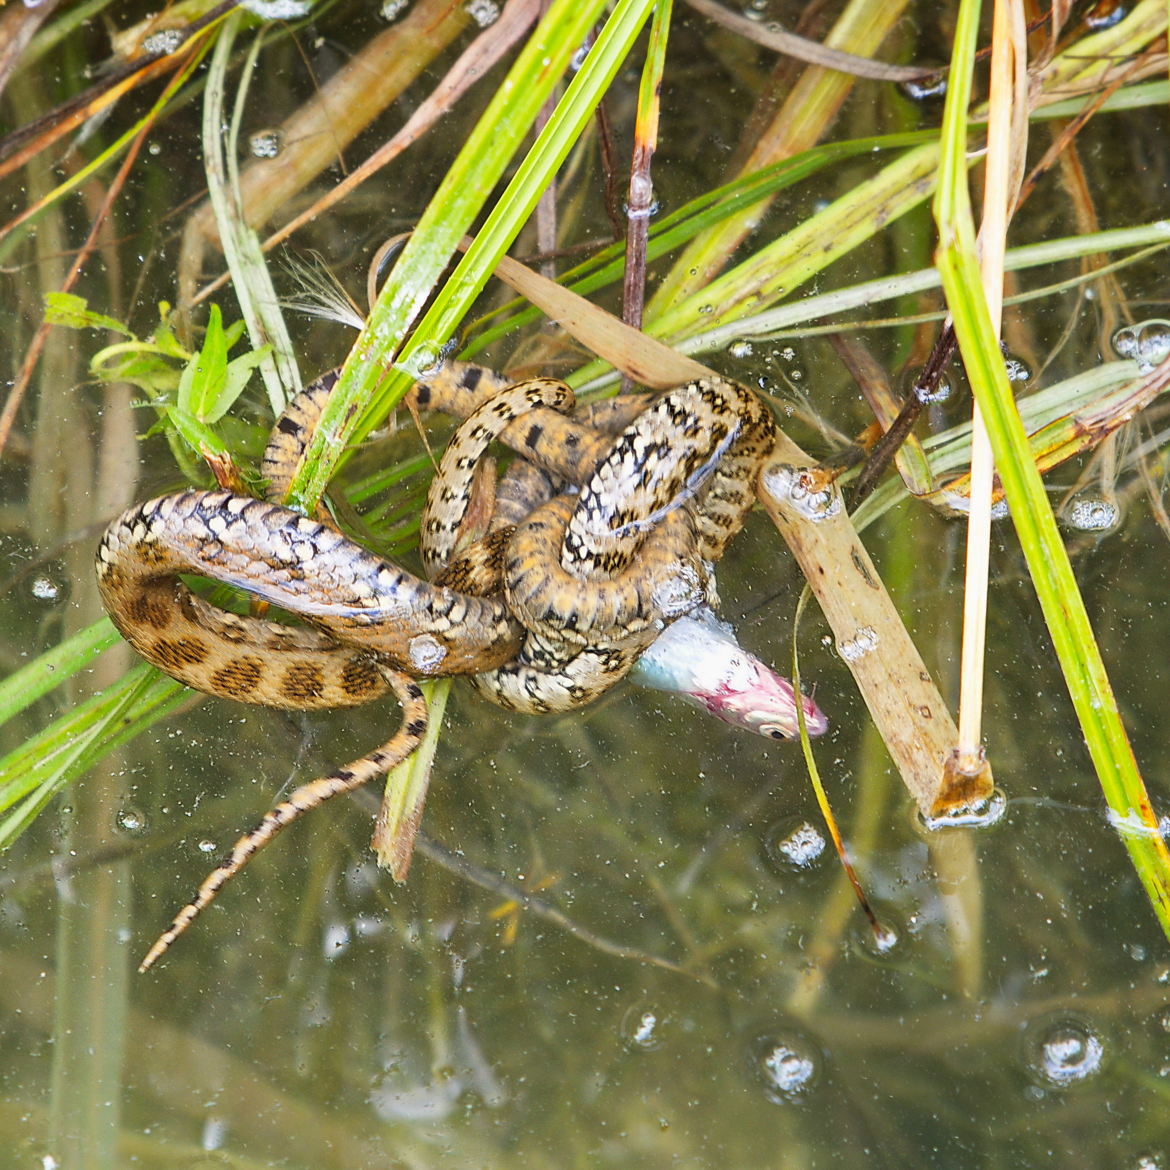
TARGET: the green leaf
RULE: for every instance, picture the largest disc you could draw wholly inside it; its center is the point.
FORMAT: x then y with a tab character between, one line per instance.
239	370
210	385
195	433
138	362
202	381
72	311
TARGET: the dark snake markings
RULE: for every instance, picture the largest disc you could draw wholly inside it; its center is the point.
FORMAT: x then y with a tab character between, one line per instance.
602	534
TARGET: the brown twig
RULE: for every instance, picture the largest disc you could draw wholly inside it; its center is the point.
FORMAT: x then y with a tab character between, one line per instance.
29	140
640	202
811	52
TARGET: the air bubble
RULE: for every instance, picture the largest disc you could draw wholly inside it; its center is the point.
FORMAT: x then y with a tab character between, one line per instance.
798	487
641	193
864	641
1103	16
426	653
206	846
786	1064
424	362
335	939
741	349
483	12
1147	343
922	89
266	143
1092	513
793	845
960	505
215	1132
1064	1052
131	821
393	9
878	941
939	392
159	44
45	589
643	1027
979	815
276	9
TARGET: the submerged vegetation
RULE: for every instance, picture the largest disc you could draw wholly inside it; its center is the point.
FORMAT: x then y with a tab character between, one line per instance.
875	222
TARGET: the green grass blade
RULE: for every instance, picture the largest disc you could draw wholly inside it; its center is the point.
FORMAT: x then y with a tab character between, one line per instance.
25	686
696	216
352	409
251	277
774	271
1048	563
32	774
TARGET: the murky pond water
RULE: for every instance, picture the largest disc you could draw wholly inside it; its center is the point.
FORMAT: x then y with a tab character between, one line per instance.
625	940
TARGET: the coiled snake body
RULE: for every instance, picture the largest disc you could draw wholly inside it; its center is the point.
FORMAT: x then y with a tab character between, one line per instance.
544	612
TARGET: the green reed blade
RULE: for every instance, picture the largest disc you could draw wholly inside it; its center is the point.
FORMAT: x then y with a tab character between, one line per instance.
1048	563
354	407
25	686
35	772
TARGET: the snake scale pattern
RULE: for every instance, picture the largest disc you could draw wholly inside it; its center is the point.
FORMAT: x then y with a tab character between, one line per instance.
602	532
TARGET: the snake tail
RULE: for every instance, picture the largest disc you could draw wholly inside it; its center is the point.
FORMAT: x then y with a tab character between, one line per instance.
304	799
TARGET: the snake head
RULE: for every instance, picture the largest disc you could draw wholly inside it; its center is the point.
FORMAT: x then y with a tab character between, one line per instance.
699	658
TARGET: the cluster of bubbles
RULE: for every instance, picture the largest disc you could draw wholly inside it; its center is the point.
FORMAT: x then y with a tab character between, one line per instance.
939	392
1146	342
1092	513
791	484
159	44
786	1064
863	641
794	845
1017	370
277	9
978	815
44	588
266	143
483	12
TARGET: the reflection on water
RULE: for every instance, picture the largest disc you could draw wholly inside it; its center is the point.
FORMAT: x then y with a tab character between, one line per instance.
319	1016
